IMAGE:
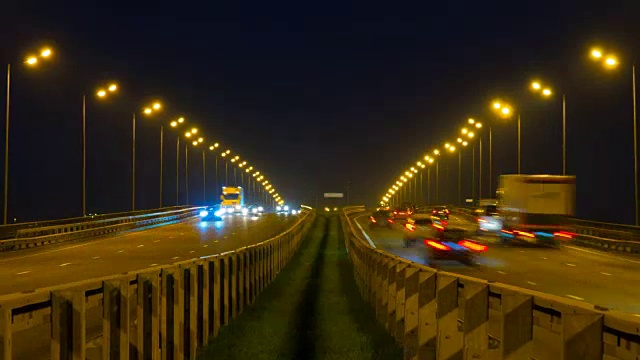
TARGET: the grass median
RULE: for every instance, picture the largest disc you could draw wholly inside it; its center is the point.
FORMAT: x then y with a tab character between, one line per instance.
313	310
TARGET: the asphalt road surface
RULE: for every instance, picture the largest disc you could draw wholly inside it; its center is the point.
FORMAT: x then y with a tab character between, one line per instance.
59	264
596	277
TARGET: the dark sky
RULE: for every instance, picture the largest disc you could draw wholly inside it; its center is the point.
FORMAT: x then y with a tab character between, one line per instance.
315	94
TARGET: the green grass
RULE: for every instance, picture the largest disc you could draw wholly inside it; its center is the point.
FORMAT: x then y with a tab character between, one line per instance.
313	310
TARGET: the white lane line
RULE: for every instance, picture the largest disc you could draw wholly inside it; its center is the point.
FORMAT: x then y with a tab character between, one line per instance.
531	283
363	232
502	272
604	273
192	251
521	251
95	257
543	258
65	264
153	265
23	272
120	251
574	297
570	264
140	246
170	237
205	245
175	257
603	254
155	241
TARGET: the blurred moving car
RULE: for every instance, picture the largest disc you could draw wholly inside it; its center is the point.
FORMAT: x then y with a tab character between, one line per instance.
440	213
381	218
212	213
400	214
419	226
255	209
453	244
488	219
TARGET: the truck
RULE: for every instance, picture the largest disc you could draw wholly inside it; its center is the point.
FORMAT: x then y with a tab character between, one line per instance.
536	209
232	199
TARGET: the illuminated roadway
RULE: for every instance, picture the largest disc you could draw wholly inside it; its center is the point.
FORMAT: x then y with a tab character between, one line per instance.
59	264
599	278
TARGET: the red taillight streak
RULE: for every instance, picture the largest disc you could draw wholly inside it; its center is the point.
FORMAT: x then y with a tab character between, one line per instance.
436	245
373	220
410	227
390	221
524	233
481	220
563	234
438	227
473	246
506	231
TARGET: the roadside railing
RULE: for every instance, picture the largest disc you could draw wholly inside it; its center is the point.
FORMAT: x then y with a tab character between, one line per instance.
166	312
439	315
46	235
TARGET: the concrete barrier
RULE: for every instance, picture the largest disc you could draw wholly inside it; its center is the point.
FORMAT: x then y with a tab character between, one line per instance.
438	315
165	312
40	236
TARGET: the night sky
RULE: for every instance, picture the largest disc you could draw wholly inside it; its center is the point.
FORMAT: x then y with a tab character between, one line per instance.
314	94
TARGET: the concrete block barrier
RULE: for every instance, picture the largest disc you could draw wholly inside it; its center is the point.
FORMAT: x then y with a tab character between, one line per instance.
166	312
438	315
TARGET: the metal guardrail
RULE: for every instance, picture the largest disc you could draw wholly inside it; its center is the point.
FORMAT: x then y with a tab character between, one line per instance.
163	312
39	236
439	315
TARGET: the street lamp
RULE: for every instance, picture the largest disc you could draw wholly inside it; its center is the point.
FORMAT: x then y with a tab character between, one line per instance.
30	61
504	110
546	92
174	124
102	93
148	110
610	62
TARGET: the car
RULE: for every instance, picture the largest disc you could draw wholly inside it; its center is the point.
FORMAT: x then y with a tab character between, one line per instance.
419	226
440	213
453	244
488	219
401	214
255	209
212	213
381	218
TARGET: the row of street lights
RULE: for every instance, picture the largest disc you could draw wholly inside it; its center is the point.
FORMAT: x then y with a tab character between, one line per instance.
106	91
506	110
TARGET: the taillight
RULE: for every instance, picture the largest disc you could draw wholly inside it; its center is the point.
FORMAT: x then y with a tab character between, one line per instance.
447	211
473	246
395	213
563	234
524	233
445	223
390	221
507	232
373	220
410	227
481	220
439	227
434	212
437	245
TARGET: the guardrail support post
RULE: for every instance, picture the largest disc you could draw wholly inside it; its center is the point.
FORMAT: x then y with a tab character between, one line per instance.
226	306
475	319
148	316
411	319
240	276
582	334
400	302
217	294
179	312
247	276
450	337
191	311
115	319
391	305
68	325
516	328
6	332
233	286
203	301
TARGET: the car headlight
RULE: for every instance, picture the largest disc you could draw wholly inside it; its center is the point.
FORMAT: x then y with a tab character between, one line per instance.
278	208
286	208
230	210
204	213
293	212
238	207
219	213
335	209
245	211
260	208
254	210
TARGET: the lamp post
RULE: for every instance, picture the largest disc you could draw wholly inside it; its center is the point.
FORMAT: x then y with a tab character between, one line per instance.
174	124
30	61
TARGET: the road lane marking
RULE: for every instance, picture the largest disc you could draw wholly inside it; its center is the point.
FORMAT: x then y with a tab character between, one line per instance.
175	257
502	272
570	264
543	258
604	273
531	283
95	257
140	246
155	241
120	251
153	265
23	272
65	264
574	297
603	254
364	233
521	251
192	251
205	245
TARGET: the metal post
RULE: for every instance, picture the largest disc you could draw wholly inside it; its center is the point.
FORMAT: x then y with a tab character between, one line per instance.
133	166
490	164
473	172
437	182
161	160
84	155
460	177
6	144
178	171
226	172
421	189
204	179
216	180
415	189
480	172
518	144
635	139
186	170
564	135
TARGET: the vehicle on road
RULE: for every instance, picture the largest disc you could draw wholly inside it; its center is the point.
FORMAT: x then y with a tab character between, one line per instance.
232	199
453	244
489	220
381	218
255	209
419	226
212	213
401	214
440	213
284	209
536	208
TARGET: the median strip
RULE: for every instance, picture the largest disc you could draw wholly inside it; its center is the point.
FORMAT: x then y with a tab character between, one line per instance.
313	310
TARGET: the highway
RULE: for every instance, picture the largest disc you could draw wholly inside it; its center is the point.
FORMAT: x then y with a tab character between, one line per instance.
165	244
599	278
